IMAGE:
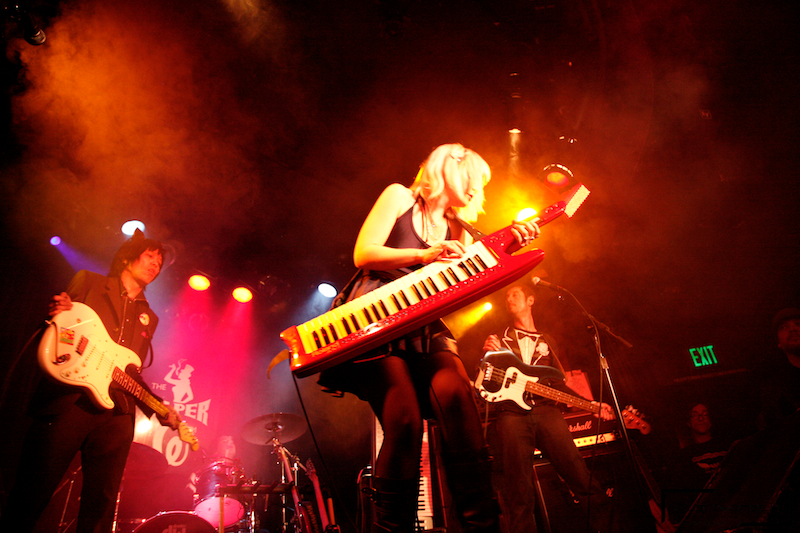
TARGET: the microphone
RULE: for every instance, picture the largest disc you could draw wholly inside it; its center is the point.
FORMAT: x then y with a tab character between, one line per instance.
539	282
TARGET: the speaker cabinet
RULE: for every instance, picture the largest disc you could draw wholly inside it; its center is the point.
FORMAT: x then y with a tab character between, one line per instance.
622	510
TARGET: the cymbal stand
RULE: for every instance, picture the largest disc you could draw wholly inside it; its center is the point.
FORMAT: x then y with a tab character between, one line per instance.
289	475
71	483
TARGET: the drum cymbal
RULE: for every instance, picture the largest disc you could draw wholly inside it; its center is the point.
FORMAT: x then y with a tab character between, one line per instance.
144	462
282	426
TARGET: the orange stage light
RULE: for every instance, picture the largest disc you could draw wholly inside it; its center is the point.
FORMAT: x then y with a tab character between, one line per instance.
525	214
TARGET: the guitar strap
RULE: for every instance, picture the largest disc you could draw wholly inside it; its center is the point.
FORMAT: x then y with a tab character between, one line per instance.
148	356
345	293
472	230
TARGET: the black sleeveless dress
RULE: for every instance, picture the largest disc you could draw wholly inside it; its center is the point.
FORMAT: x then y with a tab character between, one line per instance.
432	338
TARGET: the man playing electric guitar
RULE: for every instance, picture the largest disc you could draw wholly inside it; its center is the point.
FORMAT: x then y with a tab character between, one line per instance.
66	420
518	431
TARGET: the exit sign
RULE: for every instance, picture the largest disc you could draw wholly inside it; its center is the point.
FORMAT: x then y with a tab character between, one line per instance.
703	356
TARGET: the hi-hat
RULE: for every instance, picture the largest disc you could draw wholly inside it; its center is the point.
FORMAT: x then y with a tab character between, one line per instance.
282	426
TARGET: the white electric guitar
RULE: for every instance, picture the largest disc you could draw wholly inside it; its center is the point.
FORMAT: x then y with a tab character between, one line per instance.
77	350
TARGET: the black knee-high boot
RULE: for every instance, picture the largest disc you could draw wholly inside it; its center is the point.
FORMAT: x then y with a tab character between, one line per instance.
395	505
469	477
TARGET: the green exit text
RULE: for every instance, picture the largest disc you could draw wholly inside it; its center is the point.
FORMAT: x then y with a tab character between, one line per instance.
703	356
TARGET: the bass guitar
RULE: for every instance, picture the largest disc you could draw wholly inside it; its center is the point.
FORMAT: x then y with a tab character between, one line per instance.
76	350
504	378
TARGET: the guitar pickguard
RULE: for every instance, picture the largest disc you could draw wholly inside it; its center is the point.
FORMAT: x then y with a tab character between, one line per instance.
503	377
77	350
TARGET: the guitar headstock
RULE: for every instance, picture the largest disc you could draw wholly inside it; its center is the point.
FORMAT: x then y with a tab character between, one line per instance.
635	420
188	436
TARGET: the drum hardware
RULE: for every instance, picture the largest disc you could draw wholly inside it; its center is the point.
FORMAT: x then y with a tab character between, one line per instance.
301	519
276	429
210	504
264	429
304	514
226	498
68	482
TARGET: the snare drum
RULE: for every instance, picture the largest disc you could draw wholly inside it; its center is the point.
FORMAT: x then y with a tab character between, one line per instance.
175	521
221	473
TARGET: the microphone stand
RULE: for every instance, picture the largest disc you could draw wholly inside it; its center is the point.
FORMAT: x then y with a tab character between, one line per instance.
606	373
607	330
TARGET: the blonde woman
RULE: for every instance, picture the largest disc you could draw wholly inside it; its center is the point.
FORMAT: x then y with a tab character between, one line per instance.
421	375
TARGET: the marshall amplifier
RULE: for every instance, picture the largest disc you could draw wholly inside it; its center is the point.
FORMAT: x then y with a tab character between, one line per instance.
584	429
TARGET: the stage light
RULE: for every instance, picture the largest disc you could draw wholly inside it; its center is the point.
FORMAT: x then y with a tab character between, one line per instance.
487	307
525	214
55	240
31	32
515	104
199	282
327	290
131	226
143	426
557	175
242	294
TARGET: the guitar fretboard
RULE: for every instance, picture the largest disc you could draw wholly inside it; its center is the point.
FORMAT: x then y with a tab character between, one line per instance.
133	387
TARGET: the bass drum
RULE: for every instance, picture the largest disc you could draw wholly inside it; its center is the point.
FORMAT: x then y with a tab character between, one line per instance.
175	521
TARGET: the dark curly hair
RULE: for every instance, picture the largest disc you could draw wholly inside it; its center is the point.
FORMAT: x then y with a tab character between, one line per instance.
131	250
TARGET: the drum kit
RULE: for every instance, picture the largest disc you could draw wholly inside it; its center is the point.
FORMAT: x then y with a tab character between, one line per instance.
225	499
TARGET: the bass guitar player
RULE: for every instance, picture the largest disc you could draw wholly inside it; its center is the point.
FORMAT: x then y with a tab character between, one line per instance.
525	424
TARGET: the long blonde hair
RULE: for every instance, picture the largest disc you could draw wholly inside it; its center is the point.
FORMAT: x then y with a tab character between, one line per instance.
429	182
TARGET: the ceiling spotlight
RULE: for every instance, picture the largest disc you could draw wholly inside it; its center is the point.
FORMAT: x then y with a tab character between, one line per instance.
199	282
55	240
557	177
130	227
31	32
327	290
242	294
515	104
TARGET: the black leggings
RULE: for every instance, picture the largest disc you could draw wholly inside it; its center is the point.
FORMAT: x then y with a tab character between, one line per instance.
402	389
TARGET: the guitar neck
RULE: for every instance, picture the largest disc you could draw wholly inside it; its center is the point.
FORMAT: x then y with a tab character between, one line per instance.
559	396
321	509
134	388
